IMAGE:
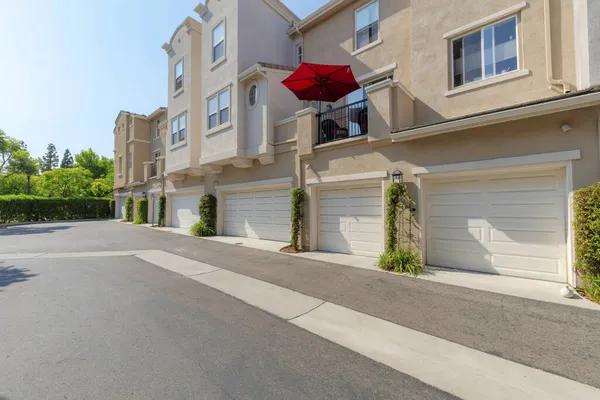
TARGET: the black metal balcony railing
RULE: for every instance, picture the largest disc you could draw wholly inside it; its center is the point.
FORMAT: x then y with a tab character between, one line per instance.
343	122
153	170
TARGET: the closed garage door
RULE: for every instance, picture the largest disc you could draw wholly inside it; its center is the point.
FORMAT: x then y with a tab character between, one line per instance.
261	215
510	224
351	220
153	207
121	207
184	210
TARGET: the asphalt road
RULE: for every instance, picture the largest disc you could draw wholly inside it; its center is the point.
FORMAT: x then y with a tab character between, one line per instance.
119	328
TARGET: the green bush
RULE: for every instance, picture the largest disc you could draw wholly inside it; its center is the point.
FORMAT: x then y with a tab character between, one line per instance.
397	201
405	261
162	207
129	209
142	212
207	209
112	208
297	200
586	205
23	208
200	229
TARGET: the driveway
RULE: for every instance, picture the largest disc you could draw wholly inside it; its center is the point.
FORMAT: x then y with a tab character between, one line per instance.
103	325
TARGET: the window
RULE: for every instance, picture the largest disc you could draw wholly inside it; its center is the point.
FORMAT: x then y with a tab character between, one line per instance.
218	109
130	160
367	24
156	155
487	52
218	42
253	95
179	75
299	54
157	134
178	129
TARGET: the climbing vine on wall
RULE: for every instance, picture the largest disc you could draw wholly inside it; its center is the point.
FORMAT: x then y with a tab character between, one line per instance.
297	200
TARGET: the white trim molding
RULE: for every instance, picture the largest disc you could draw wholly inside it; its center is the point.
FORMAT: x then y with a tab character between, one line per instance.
376	175
285	121
191	189
256	184
485	21
367	47
467	87
376	73
499	163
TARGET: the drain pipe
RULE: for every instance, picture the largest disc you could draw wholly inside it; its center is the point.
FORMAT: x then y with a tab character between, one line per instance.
566	87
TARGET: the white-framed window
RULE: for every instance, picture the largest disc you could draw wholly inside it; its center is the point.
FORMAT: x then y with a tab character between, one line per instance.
178	75
487	52
157	133
298	54
156	155
130	160
218	42
218	109
366	25
253	95
178	129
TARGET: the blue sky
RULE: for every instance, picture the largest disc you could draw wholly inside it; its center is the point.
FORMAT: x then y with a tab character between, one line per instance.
69	66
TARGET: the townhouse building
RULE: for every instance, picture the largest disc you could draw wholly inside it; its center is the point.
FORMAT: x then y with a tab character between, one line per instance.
487	110
139	153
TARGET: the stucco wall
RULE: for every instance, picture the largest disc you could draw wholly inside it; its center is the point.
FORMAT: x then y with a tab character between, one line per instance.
262	35
256	117
594	40
431	56
157	143
120	143
286	131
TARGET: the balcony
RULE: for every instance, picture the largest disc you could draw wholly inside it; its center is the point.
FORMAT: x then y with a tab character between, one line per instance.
349	121
153	170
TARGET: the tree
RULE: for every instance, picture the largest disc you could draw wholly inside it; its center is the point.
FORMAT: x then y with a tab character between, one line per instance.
16	184
66	182
103	187
100	167
8	146
22	163
67	160
50	160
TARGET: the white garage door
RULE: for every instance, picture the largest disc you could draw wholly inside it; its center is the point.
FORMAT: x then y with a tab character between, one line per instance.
184	210
260	215
351	220
153	209
510	224
121	207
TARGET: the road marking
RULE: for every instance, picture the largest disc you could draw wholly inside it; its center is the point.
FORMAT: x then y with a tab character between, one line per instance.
456	369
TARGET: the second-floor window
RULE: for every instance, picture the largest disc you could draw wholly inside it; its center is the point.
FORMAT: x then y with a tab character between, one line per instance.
485	53
157	133
179	75
218	109
178	129
366	24
299	54
218	42
156	155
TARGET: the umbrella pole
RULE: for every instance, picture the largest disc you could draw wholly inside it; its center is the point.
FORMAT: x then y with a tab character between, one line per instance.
320	116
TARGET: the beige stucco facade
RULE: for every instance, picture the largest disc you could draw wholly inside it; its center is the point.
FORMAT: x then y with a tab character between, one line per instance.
530	118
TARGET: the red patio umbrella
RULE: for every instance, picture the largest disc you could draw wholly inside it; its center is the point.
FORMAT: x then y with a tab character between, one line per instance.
321	82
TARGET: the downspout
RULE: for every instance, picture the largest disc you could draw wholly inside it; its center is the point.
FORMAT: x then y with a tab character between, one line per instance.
549	70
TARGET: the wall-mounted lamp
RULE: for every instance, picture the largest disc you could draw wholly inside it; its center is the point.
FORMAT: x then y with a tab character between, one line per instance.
397	176
144	195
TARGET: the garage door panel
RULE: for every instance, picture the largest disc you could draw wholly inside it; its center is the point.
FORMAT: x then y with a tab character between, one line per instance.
454	186
332	227
260	214
366	227
522	263
184	210
517	228
365	246
365	211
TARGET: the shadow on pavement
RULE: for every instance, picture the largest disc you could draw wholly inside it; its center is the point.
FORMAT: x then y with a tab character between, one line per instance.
31	230
11	274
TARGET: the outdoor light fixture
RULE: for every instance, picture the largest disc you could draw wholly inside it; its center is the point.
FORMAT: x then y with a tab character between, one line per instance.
144	195
397	176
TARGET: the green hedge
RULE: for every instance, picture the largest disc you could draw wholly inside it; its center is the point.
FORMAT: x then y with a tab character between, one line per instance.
586	205
22	208
297	204
207	210
142	212
162	207
112	208
129	209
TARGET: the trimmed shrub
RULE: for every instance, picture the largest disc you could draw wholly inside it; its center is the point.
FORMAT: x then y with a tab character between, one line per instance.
207	210
586	205
404	261
200	229
142	212
112	208
297	200
129	209
23	208
162	207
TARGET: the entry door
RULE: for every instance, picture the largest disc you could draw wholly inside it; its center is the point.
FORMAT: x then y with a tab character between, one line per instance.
264	214
510	224
351	220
